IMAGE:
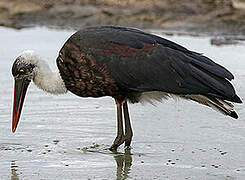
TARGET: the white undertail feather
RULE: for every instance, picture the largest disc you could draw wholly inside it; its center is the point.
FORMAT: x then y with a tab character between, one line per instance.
219	105
43	77
154	96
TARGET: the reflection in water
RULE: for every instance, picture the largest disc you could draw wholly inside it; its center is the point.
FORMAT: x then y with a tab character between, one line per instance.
124	163
123	160
14	175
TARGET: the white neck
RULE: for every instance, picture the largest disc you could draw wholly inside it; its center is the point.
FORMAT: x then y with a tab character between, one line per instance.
47	80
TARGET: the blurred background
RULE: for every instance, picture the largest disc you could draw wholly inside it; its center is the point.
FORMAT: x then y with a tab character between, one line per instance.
199	15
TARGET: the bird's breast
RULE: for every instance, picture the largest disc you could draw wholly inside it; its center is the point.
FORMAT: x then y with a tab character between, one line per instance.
83	76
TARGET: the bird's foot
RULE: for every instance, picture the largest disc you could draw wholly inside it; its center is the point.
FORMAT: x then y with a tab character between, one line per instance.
117	142
120	140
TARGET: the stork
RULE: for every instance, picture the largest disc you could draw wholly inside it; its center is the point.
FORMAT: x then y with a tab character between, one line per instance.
128	65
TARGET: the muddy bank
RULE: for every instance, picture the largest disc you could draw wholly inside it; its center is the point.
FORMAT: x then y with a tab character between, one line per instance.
223	16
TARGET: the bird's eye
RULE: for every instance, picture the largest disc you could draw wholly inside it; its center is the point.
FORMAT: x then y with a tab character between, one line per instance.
21	71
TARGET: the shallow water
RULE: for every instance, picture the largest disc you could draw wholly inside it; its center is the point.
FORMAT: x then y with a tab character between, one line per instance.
66	137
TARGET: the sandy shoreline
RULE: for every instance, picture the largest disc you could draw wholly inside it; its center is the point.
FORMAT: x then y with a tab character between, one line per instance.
219	16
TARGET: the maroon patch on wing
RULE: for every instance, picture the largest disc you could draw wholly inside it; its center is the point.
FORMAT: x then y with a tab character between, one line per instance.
124	50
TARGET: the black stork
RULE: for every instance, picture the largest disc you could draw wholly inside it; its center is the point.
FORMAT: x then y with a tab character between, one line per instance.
128	65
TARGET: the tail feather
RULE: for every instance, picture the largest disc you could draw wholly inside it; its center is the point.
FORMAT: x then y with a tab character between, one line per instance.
217	104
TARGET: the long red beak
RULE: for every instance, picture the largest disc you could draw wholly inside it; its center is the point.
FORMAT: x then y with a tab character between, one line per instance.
20	88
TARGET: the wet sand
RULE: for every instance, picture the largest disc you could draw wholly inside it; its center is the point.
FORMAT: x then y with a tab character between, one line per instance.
65	137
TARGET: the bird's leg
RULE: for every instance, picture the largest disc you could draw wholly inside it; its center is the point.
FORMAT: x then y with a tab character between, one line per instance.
120	135
128	130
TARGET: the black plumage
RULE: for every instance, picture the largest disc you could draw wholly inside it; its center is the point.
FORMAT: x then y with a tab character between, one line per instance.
138	62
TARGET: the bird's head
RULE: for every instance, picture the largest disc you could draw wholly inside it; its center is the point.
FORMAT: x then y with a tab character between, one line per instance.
23	71
24	64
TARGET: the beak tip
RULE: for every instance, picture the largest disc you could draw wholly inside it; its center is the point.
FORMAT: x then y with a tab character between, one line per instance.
14	123
13	129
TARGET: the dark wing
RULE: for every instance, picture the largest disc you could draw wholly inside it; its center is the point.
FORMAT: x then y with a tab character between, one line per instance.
141	62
